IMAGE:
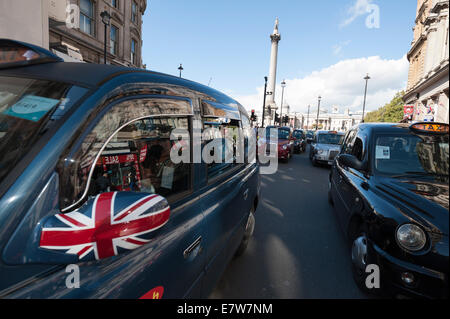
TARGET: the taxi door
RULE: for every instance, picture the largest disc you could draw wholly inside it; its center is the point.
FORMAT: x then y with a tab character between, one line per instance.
167	263
340	182
224	203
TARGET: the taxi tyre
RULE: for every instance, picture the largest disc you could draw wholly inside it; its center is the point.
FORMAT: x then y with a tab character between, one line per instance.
360	258
248	233
313	161
330	198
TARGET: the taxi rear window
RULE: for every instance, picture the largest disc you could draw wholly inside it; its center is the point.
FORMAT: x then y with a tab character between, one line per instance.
28	107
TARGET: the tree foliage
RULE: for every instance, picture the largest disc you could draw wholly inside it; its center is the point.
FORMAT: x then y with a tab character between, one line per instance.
392	112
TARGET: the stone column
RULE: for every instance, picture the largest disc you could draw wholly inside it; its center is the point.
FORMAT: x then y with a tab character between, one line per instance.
275	37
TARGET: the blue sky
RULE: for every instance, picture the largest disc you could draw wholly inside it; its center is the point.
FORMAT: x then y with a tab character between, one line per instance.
227	42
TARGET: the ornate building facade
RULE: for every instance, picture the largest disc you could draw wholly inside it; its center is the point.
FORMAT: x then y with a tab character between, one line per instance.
82	33
74	29
428	82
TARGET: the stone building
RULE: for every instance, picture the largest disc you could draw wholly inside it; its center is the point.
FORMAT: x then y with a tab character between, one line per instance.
73	29
83	31
334	121
428	83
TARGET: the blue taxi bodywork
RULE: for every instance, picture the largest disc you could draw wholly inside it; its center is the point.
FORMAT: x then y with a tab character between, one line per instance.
46	190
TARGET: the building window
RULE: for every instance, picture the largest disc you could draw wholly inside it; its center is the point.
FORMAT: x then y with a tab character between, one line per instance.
133	12
87	16
133	52
115	3
113	40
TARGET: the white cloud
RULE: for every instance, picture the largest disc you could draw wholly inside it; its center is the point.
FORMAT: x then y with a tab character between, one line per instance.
359	8
341	84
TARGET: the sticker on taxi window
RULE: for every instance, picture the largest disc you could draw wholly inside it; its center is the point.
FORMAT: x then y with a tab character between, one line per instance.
31	107
167	177
382	152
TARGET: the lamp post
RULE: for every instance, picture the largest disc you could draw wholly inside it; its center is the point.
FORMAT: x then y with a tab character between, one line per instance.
367	78
264	101
106	18
180	68
318	109
307	118
283	85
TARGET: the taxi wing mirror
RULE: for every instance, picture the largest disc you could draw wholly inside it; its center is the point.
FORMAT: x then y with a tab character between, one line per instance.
348	160
106	225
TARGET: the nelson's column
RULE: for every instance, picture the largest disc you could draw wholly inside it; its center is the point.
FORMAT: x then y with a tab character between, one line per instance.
271	106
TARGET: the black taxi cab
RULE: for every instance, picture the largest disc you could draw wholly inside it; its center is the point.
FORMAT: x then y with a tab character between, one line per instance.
389	188
102	173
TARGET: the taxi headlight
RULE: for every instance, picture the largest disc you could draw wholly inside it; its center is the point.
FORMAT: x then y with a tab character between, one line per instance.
411	237
284	147
320	152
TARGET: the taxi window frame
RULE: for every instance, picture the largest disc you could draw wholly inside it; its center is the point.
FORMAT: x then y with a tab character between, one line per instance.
88	127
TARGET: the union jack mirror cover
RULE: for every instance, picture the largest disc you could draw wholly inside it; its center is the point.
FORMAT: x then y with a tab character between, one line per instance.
107	225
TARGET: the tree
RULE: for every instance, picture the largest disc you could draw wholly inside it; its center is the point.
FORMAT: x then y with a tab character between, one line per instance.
392	112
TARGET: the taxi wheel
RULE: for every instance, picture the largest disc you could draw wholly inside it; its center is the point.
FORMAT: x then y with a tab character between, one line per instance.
330	198
360	258
358	255
249	228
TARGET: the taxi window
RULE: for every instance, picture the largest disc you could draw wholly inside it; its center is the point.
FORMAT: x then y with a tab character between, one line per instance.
28	108
357	150
222	138
249	139
137	156
348	142
411	154
329	138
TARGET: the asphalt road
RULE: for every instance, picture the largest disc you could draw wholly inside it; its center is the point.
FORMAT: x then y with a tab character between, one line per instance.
298	249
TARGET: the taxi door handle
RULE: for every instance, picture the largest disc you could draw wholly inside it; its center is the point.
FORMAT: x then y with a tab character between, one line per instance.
188	251
246	194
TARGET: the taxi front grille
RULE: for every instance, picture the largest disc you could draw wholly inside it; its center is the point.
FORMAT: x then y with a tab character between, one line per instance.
332	155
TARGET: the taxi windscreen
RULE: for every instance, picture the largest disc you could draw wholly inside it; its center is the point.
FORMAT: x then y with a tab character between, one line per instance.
28	108
329	138
298	134
405	154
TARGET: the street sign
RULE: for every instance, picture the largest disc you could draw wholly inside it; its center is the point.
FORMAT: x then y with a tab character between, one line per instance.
408	110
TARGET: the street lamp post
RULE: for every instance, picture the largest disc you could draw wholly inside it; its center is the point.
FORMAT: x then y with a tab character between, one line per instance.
283	85
318	109
106	18
307	118
180	68
264	101
367	78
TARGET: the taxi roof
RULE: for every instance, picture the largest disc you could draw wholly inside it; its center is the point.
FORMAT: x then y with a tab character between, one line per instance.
82	74
329	131
384	127
92	75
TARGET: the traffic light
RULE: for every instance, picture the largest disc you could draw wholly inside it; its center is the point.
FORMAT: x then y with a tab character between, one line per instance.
277	118
253	116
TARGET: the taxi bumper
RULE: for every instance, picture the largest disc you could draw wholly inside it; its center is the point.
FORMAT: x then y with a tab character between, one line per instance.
427	283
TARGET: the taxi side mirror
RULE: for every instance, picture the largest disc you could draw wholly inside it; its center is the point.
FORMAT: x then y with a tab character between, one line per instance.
348	160
106	225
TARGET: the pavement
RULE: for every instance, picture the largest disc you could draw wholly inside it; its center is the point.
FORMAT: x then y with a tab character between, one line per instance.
298	250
